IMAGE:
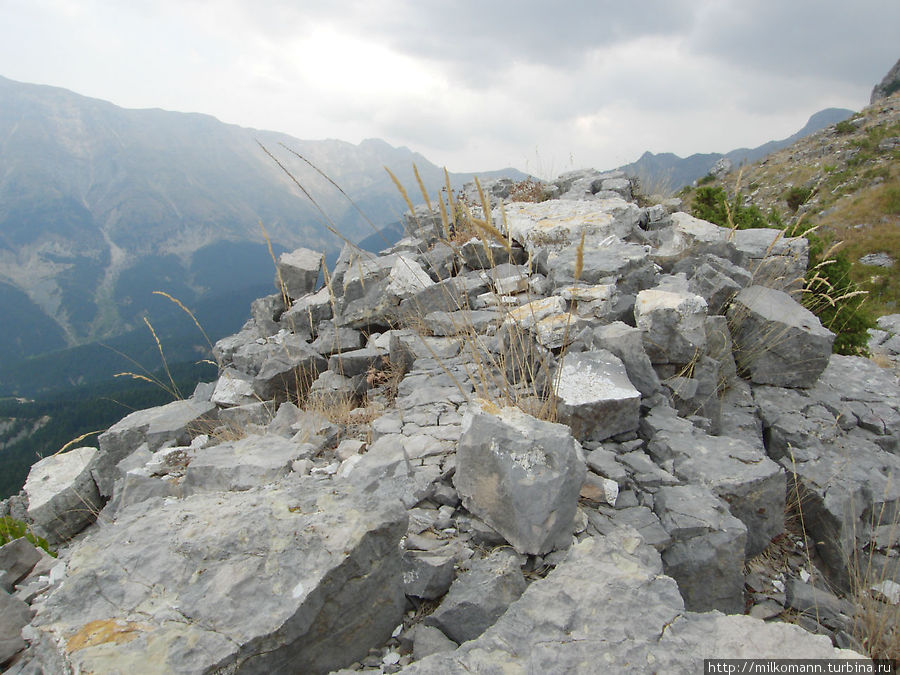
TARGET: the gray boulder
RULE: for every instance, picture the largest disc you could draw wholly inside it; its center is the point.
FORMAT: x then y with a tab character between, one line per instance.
17	558
301	577
172	424
289	367
241	465
626	342
428	574
479	596
63	498
14	616
233	388
777	340
673	323
752	484
521	475
594	396
307	312
298	272
582	619
706	556
266	312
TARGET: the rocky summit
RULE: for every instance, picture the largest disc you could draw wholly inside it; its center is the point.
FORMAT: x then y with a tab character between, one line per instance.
536	439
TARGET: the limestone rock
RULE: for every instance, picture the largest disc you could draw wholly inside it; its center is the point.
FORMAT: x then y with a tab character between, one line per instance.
14	616
242	464
706	556
674	325
479	596
777	340
560	223
521	475
583	614
595	398
171	424
290	367
298	272
62	495
17	558
304	576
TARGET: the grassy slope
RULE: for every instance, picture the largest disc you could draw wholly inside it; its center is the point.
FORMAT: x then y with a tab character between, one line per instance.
852	173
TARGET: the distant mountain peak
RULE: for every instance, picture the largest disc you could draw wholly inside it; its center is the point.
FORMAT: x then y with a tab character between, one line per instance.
671	172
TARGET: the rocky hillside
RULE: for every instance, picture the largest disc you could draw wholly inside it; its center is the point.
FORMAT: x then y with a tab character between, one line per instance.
669	172
845	181
533	439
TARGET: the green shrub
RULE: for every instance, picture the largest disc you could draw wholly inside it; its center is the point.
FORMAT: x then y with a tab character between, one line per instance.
833	297
11	529
844	127
797	196
706	180
711	203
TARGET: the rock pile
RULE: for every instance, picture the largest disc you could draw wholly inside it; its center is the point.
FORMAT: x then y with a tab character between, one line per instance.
480	453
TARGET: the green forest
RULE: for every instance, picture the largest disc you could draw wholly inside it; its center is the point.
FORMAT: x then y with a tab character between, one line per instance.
78	411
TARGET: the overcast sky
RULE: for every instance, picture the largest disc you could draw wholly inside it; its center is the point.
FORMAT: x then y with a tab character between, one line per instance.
471	84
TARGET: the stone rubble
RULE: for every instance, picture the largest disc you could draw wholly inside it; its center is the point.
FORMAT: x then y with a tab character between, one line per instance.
482	456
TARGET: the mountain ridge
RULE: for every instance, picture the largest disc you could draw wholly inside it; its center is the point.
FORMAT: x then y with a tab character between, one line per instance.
96	198
671	172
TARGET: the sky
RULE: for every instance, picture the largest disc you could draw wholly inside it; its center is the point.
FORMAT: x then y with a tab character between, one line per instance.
473	85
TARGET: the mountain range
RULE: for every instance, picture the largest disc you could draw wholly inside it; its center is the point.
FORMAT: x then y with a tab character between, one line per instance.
100	206
668	172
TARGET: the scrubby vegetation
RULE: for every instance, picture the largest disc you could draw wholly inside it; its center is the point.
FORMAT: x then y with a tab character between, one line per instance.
830	290
11	529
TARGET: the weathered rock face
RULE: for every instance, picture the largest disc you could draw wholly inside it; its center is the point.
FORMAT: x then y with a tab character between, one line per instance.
706	556
298	272
674	325
303	577
521	475
479	597
777	340
596	399
584	613
62	495
172	424
250	533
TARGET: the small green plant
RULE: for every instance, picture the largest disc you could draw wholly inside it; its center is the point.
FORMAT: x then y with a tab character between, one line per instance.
797	196
706	180
712	204
831	294
11	529
844	127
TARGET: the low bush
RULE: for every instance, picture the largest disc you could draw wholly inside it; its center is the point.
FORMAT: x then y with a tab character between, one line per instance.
797	196
844	127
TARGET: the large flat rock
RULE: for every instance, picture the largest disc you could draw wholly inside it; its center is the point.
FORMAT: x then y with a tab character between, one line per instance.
302	577
172	424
